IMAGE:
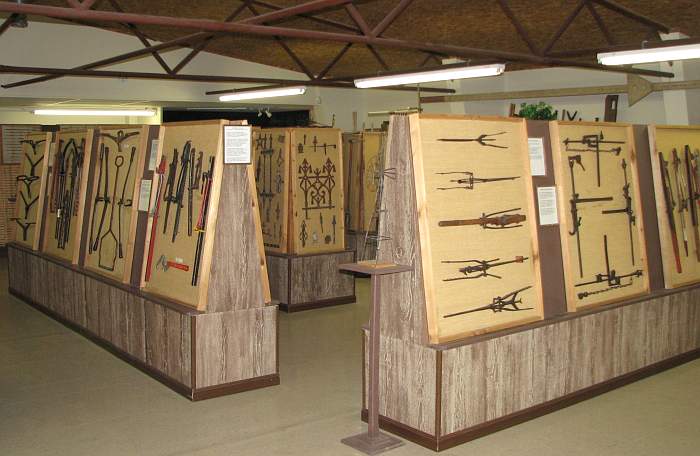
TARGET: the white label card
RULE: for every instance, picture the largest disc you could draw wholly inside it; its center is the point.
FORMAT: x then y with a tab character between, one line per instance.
536	147
154	155
145	195
547	203
237	144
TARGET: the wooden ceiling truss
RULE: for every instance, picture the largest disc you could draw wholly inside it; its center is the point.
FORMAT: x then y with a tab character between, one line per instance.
268	24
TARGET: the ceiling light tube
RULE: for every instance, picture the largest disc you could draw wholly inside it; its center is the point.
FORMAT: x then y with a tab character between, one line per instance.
96	112
659	54
264	93
431	76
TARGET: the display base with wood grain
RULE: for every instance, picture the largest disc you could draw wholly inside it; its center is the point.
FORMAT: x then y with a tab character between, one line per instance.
303	282
443	395
200	355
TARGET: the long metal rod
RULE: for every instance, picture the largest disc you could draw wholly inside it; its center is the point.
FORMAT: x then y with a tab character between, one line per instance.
374	352
4	69
612	5
261	30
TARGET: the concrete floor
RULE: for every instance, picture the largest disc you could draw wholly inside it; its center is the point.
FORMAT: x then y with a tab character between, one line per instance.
62	395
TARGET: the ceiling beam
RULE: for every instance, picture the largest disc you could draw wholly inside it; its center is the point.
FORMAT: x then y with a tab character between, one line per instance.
565	25
391	17
335	60
305	8
261	30
601	25
518	26
311	17
356	16
627	12
7	69
178	42
141	37
85	4
204	43
7	23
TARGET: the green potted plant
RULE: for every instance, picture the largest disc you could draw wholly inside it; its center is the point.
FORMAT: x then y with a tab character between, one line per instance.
539	111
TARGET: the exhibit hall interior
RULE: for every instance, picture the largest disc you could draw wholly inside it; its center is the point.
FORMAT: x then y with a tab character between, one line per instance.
349	227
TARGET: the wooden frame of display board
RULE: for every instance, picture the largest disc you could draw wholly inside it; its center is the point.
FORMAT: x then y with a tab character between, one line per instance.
316	170
271	161
301	190
69	145
121	152
35	164
444	300
624	250
352	148
232	222
679	267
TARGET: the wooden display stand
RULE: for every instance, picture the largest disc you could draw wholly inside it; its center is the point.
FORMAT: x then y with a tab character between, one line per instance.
214	338
299	178
31	189
442	394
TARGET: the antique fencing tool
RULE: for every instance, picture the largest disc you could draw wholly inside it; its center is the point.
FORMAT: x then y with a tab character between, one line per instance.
495	221
102	186
592	143
480	268
155	212
467	182
484	139
207	180
628	210
691	168
670	206
574	202
169	188
682	193
609	277
506	303
181	186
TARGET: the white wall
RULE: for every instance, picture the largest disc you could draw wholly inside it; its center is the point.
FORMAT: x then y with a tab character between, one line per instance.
58	45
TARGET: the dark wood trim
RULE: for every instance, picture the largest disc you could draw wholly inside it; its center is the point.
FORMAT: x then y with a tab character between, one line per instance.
414	435
291	308
235	387
439	443
119	353
364	371
438	392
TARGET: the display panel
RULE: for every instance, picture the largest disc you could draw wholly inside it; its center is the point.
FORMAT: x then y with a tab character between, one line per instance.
119	162
31	189
317	219
271	163
675	165
476	222
183	211
68	179
600	213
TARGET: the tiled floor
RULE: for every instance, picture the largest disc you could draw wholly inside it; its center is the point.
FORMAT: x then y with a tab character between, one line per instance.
62	395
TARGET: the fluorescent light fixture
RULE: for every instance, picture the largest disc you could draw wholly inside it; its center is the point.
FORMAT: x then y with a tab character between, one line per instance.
431	76
264	93
96	112
660	54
